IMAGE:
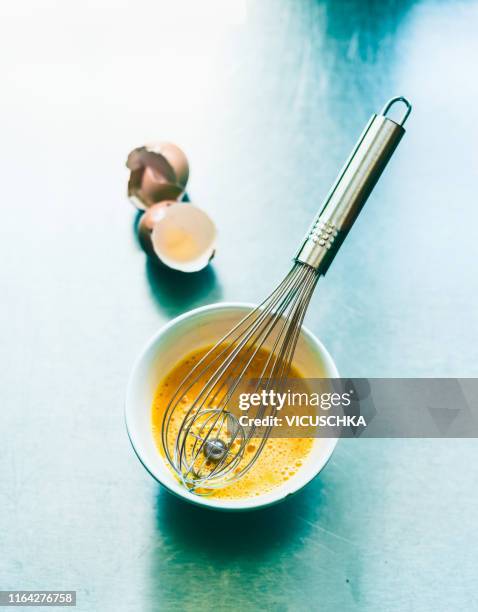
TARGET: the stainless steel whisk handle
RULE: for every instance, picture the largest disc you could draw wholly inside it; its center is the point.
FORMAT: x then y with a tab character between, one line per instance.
352	187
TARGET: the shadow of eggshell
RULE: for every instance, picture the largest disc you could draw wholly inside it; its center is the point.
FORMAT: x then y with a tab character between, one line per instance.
184	237
146	224
159	172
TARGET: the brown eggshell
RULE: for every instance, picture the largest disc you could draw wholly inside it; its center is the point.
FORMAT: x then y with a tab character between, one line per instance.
154	188
177	159
184	237
146	224
159	171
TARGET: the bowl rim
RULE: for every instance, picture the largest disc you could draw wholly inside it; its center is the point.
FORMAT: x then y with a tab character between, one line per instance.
239	504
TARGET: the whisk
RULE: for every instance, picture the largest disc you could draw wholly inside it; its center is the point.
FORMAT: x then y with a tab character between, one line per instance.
202	438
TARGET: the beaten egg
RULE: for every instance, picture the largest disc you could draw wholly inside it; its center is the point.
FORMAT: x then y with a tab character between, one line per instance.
280	459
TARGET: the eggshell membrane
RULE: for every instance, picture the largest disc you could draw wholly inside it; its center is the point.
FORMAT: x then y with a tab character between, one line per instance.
184	237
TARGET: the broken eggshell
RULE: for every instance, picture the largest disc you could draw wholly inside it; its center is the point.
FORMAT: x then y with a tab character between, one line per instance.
183	237
159	171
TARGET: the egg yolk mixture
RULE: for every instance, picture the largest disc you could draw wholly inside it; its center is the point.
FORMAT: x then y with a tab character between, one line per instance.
281	457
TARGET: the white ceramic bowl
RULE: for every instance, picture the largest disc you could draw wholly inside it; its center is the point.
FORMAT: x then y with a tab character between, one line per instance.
182	335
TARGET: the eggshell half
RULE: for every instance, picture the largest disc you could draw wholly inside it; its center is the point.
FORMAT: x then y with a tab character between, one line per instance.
184	237
159	171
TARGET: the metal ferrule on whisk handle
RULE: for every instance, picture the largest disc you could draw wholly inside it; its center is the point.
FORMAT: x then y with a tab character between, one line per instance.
352	187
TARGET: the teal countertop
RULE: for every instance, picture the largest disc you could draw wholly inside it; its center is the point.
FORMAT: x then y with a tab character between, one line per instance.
267	109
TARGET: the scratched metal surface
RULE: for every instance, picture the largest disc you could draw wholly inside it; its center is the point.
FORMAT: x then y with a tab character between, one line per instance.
267	111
